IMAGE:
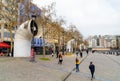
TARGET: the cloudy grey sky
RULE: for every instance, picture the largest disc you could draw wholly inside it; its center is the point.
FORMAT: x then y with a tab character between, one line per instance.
91	17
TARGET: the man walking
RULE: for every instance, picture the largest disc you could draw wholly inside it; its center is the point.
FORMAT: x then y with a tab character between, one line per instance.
92	69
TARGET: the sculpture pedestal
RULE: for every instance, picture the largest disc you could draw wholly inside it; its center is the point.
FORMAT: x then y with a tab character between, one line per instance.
22	48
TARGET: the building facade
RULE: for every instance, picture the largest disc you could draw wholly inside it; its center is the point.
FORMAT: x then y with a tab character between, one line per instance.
106	41
13	13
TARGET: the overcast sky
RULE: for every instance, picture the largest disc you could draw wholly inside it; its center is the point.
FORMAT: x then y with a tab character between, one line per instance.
91	17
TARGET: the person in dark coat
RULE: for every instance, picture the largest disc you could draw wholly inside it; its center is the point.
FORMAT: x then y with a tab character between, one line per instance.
92	69
87	51
81	54
57	51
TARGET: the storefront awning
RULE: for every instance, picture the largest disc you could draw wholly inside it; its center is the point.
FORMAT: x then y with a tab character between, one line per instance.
4	45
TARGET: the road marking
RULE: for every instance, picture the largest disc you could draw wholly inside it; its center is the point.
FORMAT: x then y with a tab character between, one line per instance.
73	69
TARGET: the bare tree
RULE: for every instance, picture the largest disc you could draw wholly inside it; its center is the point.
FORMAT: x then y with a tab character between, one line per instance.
9	15
45	20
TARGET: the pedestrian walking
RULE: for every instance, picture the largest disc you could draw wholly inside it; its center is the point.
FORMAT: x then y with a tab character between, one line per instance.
77	62
60	58
52	54
77	53
92	69
81	54
87	51
57	51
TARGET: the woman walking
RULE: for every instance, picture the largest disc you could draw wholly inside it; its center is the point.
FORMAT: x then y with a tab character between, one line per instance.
77	62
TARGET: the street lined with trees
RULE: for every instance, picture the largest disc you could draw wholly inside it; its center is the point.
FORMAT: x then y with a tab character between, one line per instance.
53	27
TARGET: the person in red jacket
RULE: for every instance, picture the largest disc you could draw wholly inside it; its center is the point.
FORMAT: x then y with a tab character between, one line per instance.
60	58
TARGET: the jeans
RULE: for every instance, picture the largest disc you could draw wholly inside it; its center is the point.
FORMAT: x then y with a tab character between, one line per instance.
77	67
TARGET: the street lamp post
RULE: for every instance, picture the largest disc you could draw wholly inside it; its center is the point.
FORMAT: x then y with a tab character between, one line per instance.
63	43
34	30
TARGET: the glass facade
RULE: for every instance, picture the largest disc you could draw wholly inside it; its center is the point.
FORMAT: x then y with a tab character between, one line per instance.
38	42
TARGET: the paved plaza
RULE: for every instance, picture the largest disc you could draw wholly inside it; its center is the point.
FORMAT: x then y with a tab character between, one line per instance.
21	69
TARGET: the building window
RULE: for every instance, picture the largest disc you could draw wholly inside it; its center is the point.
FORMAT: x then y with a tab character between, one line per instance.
5	34
32	8
98	42
13	35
